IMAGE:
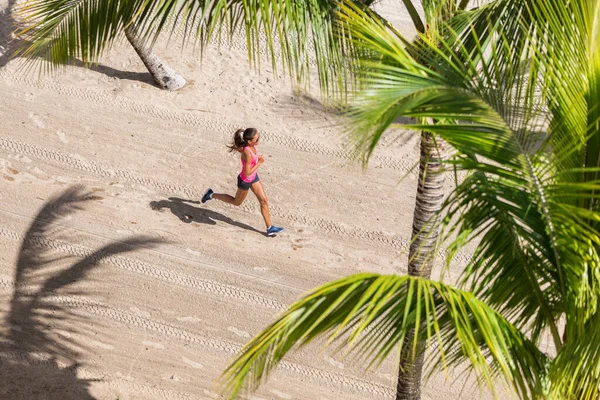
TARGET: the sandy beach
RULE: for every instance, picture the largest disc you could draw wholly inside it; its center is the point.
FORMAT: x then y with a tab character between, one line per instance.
110	293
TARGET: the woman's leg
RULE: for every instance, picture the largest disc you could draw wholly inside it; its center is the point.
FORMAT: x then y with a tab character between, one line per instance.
259	191
239	198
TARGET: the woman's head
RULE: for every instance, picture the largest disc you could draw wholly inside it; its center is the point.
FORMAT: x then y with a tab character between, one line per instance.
243	138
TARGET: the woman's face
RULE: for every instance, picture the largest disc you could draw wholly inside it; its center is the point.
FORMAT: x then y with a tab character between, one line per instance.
254	141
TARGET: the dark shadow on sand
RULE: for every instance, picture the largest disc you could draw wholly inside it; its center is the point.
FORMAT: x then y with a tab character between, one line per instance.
333	121
35	362
188	213
111	72
315	113
7	27
8	45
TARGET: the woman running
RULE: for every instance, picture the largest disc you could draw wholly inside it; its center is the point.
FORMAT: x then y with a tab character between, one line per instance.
245	142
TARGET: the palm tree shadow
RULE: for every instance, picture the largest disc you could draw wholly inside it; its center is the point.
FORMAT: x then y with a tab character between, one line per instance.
143	77
7	27
188	213
41	304
308	109
8	45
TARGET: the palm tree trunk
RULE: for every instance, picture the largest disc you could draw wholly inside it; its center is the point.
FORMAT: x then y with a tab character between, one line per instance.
163	74
426	222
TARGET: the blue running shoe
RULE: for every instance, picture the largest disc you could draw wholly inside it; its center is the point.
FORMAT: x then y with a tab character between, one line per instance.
273	230
207	196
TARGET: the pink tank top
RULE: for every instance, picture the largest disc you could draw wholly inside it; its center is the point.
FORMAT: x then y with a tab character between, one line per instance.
253	162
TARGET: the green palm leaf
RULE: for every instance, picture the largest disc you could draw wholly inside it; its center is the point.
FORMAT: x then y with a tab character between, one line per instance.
61	30
370	314
492	112
303	34
575	372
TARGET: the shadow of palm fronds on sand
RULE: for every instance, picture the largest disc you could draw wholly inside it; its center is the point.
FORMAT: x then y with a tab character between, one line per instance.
36	362
7	27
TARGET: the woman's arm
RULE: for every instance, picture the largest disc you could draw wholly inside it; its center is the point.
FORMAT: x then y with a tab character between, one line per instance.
248	169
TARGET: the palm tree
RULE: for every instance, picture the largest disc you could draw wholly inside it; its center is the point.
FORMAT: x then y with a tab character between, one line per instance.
61	31
523	115
303	29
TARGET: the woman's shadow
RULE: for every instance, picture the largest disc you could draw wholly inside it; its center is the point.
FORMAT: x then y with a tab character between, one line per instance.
188	213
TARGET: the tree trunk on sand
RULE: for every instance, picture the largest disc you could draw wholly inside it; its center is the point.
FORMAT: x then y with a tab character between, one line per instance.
426	222
163	74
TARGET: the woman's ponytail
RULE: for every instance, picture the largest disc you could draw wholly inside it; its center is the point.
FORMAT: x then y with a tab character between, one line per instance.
241	137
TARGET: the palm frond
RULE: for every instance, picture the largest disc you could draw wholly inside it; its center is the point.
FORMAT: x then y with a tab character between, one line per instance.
60	31
492	110
369	315
575	372
414	15
437	13
556	215
300	34
481	26
399	84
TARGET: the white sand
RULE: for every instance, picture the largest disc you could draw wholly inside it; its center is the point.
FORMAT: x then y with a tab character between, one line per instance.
162	322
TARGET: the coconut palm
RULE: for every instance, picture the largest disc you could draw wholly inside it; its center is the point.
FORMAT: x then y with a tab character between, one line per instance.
524	117
61	31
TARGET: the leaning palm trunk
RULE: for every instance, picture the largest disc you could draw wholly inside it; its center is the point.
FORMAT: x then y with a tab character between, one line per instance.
163	74
426	222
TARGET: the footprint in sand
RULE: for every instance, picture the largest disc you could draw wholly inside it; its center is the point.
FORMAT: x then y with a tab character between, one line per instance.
7	170
21	158
153	344
62	136
333	362
14	175
175	378
281	395
238	332
189	319
299	243
210	394
102	345
37	120
139	312
191	363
